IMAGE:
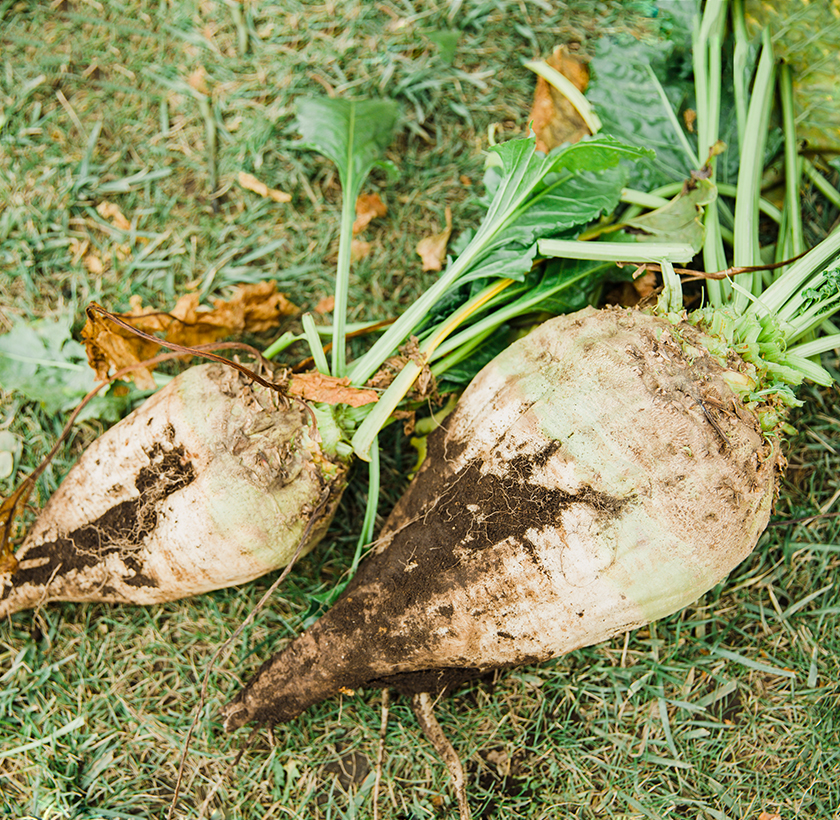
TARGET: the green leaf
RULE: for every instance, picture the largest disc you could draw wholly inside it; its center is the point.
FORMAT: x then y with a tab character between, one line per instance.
626	98
566	203
353	134
44	364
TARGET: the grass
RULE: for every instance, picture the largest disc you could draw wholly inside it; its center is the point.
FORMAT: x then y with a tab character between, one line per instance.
725	710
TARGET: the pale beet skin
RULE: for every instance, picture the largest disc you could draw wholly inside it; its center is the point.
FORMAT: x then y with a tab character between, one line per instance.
210	483
596	476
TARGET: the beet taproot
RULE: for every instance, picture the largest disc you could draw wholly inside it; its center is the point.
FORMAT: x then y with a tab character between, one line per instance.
597	475
210	483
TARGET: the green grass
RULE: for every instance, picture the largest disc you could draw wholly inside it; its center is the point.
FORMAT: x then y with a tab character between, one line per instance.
725	710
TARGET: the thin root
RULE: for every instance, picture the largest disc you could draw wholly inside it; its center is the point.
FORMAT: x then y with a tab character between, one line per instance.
423	708
380	755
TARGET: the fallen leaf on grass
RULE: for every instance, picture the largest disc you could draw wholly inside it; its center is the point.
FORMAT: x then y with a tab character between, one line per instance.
112	212
359	249
93	264
251	183
325	305
198	80
432	249
368	207
767	816
553	118
255	308
330	390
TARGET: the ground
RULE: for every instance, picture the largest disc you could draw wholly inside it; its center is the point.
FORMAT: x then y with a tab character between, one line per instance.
726	710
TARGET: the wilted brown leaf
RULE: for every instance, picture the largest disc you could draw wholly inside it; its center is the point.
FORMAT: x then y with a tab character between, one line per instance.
432	249
251	183
368	207
255	308
554	119
330	390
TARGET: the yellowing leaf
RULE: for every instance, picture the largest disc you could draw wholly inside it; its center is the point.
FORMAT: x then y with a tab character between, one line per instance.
368	207
330	390
432	249
251	183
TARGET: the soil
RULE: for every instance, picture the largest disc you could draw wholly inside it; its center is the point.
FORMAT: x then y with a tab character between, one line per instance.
428	527
122	529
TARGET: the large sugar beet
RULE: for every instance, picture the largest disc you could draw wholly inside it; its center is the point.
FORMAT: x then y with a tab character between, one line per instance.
596	476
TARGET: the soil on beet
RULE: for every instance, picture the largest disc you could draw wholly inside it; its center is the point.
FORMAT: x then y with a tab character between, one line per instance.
427	528
424	533
122	529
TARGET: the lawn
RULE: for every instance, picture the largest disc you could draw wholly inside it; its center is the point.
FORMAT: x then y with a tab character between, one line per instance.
728	709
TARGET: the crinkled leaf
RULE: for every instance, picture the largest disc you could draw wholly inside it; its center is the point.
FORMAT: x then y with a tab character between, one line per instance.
627	101
44	364
353	134
681	220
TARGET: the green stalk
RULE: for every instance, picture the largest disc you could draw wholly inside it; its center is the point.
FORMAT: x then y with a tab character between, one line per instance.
442	362
739	70
371	506
617	251
342	283
396	392
708	47
569	90
796	243
784	297
747	248
644	200
820	182
314	342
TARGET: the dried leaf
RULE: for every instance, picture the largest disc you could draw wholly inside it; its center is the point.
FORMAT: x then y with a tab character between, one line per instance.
251	183
12	508
432	249
254	307
368	207
554	119
359	249
330	390
111	212
93	263
197	80
326	305
767	816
